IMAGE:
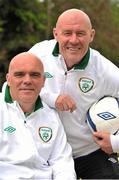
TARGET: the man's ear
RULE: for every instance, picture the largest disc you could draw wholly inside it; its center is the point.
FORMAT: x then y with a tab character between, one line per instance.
44	78
55	33
7	78
92	35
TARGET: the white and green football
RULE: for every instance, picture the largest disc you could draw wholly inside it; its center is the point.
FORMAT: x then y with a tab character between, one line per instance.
104	115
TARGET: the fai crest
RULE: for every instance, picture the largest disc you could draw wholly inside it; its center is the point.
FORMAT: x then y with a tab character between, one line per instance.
86	84
45	133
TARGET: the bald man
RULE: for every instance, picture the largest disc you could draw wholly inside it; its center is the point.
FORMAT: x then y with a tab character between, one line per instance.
79	76
33	143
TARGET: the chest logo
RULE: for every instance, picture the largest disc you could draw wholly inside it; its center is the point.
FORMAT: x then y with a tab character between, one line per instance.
10	129
48	75
45	133
86	84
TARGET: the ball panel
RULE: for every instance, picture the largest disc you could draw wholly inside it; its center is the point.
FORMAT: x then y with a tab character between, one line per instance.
90	122
104	115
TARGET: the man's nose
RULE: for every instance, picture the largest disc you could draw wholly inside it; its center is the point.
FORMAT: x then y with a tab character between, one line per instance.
74	38
27	78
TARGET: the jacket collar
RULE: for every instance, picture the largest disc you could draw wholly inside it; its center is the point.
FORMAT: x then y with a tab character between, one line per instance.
83	63
8	99
55	51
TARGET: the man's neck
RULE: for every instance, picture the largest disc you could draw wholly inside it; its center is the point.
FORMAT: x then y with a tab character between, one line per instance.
27	108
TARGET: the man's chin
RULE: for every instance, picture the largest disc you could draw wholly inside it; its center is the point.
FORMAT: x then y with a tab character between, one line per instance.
27	98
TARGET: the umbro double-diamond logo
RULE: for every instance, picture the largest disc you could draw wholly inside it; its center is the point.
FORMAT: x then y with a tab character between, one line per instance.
10	129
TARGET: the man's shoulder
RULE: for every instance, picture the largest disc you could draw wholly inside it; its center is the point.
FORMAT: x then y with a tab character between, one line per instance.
47	42
51	112
43	48
98	57
99	61
94	52
44	45
2	93
46	108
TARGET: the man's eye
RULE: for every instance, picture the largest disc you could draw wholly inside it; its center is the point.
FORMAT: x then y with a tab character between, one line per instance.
23	74
35	74
18	74
81	34
67	33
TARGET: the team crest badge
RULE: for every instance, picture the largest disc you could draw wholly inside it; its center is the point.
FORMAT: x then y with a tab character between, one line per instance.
45	133
86	84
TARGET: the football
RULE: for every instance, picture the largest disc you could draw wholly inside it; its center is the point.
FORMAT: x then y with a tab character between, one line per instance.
104	115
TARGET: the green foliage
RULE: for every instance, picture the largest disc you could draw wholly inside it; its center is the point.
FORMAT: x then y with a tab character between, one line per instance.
115	14
1	24
22	24
21	18
26	22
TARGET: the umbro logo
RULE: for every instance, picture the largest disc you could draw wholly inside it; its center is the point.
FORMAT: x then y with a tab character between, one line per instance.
106	115
10	129
48	75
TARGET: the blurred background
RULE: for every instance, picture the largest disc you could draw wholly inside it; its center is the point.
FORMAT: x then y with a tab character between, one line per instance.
26	22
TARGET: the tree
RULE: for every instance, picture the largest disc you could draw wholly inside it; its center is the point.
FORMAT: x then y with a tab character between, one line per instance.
22	24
